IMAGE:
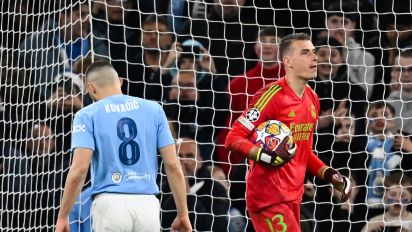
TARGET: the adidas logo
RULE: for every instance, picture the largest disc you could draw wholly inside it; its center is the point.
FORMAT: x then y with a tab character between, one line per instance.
291	114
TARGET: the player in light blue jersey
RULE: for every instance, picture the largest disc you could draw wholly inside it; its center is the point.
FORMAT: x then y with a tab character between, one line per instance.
121	136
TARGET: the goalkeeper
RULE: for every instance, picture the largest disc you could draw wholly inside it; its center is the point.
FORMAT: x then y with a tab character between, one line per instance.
274	189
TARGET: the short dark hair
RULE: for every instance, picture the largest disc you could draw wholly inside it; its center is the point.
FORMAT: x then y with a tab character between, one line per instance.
287	41
398	178
382	105
98	65
270	31
329	42
344	9
156	19
407	52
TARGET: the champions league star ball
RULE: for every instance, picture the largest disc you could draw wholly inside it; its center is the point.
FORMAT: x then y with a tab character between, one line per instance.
270	133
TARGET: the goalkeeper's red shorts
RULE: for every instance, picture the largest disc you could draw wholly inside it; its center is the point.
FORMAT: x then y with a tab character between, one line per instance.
280	217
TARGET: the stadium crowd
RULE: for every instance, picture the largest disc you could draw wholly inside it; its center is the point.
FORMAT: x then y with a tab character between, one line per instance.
203	61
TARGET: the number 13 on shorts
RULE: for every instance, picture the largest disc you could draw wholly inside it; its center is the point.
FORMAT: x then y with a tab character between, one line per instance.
277	223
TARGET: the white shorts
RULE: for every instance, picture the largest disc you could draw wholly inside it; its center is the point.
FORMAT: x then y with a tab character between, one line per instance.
125	212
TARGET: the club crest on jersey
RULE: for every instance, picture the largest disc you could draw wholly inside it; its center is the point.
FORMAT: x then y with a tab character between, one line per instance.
116	177
313	111
253	115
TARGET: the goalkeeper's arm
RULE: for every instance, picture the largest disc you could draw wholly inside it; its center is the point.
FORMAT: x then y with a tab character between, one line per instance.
317	168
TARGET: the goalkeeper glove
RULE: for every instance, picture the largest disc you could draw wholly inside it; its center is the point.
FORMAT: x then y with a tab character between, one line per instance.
280	156
340	182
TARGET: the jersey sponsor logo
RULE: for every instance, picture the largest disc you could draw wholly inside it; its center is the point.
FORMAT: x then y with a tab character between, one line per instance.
137	176
79	128
313	111
253	115
301	131
246	123
116	177
264	99
291	114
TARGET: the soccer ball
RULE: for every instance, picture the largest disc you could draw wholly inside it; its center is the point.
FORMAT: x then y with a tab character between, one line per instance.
270	133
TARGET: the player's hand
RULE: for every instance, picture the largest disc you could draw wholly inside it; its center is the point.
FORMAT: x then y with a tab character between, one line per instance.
181	224
62	225
375	227
280	156
340	182
403	143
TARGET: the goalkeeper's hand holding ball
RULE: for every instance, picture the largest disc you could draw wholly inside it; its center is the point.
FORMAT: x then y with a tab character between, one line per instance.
280	156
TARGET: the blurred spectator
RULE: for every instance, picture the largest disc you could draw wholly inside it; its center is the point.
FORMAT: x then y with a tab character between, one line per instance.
173	128
60	107
114	32
227	32
243	88
382	159
395	28
17	104
338	95
342	27
207	199
346	130
307	208
196	109
15	20
219	176
401	83
396	198
349	215
56	47
180	11
48	171
191	55
36	173
402	101
237	221
145	77
211	87
346	152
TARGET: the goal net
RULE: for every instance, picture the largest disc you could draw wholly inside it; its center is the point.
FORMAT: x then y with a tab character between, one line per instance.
203	61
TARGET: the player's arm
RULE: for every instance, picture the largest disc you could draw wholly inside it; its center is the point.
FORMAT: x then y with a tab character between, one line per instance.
177	184
75	180
319	169
238	143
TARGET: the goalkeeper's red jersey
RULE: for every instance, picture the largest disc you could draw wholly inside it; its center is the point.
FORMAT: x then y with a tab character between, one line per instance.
267	185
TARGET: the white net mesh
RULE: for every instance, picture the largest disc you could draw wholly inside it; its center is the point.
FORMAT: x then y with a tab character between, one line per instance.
203	61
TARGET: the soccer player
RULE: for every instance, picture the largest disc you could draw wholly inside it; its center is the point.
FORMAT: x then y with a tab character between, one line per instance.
122	135
274	184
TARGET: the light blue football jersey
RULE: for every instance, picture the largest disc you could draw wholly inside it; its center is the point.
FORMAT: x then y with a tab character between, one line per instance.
125	133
